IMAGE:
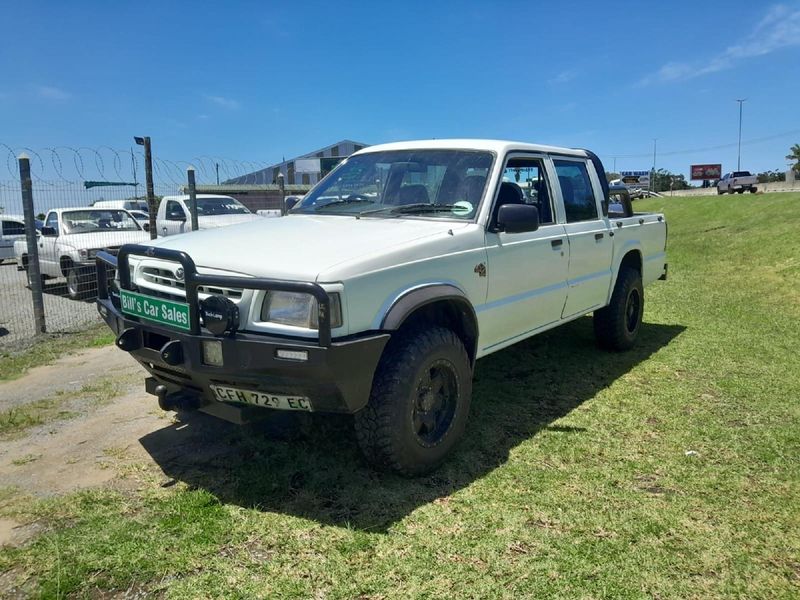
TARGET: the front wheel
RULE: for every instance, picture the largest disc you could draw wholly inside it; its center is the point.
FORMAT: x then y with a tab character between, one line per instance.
616	326
419	403
79	282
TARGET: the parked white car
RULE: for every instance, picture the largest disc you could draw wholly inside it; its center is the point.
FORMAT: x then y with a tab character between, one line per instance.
12	228
212	211
70	239
383	286
140	205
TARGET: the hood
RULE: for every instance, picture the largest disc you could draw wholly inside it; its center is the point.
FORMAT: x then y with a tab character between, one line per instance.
104	239
301	247
210	221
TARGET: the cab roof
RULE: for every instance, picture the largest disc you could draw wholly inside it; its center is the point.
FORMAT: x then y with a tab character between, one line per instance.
498	146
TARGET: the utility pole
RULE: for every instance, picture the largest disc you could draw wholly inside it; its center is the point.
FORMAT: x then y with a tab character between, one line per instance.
217	166
739	154
148	174
653	178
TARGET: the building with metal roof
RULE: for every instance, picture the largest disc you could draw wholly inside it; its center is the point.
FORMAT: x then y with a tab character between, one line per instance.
307	169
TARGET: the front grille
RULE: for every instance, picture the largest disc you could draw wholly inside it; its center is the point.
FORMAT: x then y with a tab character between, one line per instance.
166	278
162	277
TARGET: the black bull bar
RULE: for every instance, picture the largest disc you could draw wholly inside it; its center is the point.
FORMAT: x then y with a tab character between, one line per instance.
193	280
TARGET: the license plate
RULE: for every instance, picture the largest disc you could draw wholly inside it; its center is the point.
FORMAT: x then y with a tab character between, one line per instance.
165	312
279	401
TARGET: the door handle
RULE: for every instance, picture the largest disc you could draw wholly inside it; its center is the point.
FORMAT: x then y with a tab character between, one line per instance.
556	243
598	236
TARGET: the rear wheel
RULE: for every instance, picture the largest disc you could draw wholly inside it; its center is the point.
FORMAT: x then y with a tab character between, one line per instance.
616	326
419	403
720	191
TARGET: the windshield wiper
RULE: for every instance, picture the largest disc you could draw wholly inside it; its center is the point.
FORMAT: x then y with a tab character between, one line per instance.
345	201
410	209
422	207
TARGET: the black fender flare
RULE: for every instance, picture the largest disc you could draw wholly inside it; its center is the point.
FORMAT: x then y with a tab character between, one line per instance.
412	300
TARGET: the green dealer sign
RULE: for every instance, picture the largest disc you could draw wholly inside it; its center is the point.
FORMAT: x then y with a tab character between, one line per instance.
166	312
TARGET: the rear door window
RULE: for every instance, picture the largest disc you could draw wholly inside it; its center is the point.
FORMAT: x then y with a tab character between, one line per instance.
576	190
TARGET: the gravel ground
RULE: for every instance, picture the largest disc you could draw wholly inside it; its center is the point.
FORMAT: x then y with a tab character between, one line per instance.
16	308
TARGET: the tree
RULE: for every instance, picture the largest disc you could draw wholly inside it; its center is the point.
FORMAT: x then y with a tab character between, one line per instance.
612	176
664	181
794	154
771	176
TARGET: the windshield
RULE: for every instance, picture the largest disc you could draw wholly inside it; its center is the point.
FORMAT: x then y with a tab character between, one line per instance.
430	183
88	221
220	206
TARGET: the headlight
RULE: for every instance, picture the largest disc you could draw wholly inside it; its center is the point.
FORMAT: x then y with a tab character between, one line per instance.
87	254
298	310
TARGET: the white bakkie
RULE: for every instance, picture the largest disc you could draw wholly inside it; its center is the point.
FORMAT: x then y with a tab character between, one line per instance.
382	287
174	214
71	238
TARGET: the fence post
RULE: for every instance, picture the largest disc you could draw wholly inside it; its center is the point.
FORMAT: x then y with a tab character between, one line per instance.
282	185
148	175
34	275
192	198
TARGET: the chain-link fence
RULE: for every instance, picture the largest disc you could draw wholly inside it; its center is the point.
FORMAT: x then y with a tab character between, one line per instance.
81	201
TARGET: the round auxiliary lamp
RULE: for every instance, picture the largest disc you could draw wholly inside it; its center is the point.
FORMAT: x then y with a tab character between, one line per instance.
220	315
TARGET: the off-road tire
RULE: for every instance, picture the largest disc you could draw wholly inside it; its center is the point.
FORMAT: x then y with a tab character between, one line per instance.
385	428
617	326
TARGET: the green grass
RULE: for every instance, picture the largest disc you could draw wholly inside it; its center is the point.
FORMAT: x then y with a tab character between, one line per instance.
573	480
50	348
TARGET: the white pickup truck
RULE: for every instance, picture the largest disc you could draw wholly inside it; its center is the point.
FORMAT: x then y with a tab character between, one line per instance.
70	240
383	286
737	181
174	214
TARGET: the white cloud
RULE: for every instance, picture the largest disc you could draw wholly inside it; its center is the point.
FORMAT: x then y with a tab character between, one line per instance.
50	92
202	117
564	76
224	102
779	28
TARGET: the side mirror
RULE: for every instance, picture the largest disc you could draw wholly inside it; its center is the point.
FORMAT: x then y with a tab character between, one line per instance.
48	231
146	226
291	202
517	218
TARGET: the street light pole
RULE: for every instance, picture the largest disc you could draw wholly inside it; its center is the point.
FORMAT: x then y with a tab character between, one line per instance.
739	154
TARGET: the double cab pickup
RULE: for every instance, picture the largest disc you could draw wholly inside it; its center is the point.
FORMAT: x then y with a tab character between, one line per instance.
383	286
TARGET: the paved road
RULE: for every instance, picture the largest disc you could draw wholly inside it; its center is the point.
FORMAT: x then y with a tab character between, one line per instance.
16	308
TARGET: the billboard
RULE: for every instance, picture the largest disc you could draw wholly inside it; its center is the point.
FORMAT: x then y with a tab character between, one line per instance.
635	178
701	172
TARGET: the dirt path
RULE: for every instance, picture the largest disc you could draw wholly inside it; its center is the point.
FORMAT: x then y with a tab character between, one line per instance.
64	455
68	374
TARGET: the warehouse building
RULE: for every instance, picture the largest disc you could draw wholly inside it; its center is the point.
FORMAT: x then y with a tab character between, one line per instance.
307	169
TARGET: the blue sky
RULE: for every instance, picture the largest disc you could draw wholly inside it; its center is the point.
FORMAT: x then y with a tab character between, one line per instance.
258	81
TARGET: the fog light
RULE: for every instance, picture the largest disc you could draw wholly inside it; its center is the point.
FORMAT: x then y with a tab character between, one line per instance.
220	315
291	354
212	353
